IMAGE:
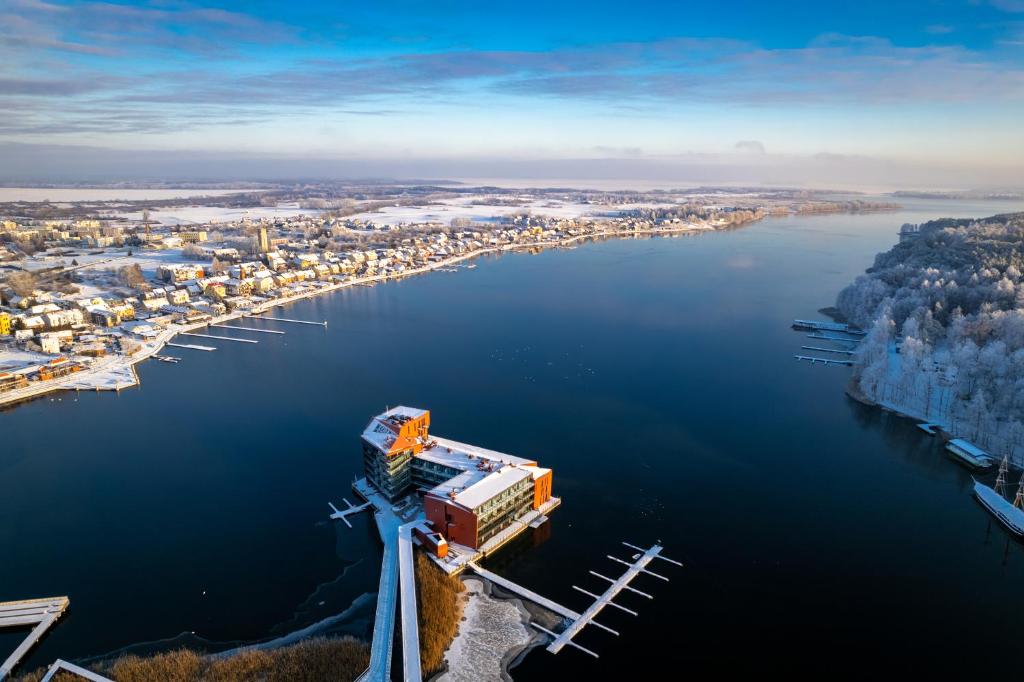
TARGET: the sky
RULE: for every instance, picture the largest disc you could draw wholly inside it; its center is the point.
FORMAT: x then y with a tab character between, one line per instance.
927	93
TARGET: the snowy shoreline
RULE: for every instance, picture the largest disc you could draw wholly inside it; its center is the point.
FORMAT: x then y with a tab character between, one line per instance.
117	372
494	635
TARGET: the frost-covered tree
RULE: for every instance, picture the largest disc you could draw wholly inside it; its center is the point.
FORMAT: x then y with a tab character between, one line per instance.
945	314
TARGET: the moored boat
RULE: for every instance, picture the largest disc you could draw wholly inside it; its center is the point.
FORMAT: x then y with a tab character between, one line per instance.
970	454
1009	514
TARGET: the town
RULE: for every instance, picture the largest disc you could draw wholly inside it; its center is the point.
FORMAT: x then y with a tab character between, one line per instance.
84	299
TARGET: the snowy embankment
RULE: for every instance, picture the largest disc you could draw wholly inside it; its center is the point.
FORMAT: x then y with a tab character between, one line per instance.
493	632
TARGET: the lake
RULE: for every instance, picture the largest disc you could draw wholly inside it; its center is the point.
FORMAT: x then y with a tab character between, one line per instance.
655	376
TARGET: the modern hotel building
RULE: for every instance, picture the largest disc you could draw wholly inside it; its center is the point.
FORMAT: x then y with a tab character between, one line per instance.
469	494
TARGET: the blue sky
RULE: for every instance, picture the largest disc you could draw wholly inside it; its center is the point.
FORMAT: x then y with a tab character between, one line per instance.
924	84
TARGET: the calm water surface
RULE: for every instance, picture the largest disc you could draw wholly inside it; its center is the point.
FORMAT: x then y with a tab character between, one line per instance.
655	376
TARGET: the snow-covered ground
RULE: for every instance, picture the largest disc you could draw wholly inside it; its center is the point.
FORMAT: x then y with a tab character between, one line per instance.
197	215
492	632
445	210
105	194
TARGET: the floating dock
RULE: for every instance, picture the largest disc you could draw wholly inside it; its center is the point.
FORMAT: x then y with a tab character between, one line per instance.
579	621
825	361
635	568
221	338
828	350
833	337
820	325
343	515
247	329
41	613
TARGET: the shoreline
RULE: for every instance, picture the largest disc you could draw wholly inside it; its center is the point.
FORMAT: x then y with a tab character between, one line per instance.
513	654
103	372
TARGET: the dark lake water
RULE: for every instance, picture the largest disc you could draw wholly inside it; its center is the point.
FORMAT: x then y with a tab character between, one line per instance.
655	376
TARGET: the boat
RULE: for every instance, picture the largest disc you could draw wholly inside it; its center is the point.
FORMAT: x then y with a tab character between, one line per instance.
1009	514
969	454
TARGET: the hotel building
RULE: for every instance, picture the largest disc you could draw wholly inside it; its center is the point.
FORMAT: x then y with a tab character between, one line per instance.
469	494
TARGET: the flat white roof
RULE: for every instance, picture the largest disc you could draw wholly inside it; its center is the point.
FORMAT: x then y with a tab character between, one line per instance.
969	448
491	485
484	473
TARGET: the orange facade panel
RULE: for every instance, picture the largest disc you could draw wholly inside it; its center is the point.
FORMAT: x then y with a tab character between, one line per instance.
541	489
411	434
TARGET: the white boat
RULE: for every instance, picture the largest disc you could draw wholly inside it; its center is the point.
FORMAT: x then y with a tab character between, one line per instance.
970	454
1009	514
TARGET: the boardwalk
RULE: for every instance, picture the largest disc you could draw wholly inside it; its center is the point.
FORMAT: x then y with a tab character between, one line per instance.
384	622
410	624
40	613
522	591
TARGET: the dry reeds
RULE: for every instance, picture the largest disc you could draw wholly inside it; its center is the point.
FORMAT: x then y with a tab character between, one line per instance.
437	595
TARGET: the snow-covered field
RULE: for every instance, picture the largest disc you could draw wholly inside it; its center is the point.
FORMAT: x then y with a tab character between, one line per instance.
492	631
189	215
100	194
444	211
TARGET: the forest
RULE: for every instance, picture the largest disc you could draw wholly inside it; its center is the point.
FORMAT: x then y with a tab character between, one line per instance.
944	311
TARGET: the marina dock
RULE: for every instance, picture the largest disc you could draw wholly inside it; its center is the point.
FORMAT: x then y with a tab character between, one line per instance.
285	319
819	325
221	338
833	337
579	621
190	346
828	350
825	361
247	329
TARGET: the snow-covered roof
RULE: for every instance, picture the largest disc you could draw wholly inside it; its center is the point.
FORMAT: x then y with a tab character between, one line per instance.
483	473
969	448
491	485
383	429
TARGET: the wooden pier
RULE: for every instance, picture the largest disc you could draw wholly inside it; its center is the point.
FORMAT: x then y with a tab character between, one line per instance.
42	613
222	338
247	329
